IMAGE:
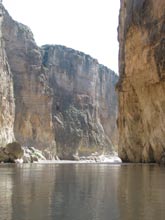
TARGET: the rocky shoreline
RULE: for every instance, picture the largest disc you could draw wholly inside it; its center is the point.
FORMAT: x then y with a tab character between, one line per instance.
15	153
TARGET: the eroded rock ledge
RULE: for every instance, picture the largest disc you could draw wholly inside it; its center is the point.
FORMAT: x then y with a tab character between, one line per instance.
141	86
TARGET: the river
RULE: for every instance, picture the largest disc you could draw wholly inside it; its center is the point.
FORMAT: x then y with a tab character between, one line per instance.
82	192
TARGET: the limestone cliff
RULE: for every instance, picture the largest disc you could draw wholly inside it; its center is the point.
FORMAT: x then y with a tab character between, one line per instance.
84	101
33	98
7	104
141	86
63	102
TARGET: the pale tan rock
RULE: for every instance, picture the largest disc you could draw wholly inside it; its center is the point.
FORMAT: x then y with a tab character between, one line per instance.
33	98
7	104
141	86
62	101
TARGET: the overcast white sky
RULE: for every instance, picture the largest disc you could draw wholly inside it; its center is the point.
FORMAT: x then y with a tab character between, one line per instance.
86	25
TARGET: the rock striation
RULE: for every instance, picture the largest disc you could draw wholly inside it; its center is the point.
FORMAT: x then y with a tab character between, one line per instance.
141	86
7	104
56	99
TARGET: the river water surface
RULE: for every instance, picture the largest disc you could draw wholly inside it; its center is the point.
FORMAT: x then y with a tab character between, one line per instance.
82	192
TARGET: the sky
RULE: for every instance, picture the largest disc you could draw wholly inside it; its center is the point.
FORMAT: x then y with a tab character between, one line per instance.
89	26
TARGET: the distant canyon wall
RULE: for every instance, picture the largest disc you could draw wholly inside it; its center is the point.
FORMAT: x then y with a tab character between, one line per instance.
62	101
141	86
84	101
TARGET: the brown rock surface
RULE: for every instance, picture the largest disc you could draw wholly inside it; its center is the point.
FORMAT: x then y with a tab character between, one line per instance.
11	152
33	99
62	101
14	151
141	86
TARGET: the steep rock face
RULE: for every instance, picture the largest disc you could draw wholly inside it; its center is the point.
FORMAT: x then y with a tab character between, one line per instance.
85	103
56	99
141	86
7	106
33	98
108	104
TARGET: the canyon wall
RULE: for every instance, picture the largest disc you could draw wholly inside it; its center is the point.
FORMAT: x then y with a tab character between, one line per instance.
62	101
84	102
7	104
33	97
141	86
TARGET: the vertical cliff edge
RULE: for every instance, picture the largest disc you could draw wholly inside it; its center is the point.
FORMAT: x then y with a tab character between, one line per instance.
54	98
33	96
7	104
141	86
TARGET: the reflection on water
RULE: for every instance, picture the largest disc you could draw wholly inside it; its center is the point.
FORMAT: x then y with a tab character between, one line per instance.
82	192
141	192
6	190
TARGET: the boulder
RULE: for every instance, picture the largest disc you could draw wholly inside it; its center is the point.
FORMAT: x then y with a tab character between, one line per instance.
13	151
3	155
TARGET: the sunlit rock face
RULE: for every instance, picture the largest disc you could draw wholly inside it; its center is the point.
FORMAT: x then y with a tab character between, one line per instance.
141	86
54	98
33	98
7	105
84	102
